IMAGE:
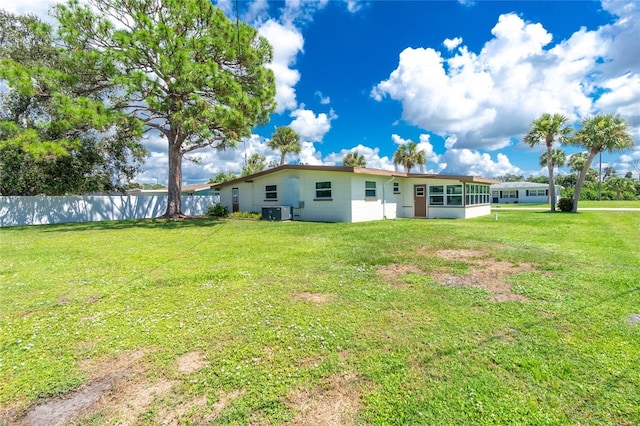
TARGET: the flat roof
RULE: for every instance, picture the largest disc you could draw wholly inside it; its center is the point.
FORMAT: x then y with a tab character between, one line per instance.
358	170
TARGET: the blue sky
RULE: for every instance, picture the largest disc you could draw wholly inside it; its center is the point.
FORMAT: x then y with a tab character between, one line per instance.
463	79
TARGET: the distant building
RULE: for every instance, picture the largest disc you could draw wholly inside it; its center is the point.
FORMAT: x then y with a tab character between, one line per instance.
200	189
522	193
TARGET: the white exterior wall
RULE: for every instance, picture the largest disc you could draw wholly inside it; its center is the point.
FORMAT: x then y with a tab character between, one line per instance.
348	203
338	209
404	200
477	211
373	208
439	212
17	211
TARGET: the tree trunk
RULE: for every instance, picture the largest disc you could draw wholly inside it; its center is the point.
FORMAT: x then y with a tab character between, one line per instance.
552	185
581	178
284	153
174	201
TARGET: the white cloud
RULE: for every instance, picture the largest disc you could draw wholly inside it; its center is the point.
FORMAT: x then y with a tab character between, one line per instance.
324	100
371	156
287	42
484	100
300	12
451	44
258	11
311	127
474	163
309	155
621	96
353	6
39	8
227	6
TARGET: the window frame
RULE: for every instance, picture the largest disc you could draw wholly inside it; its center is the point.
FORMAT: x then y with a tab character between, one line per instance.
455	194
370	189
271	193
437	195
325	187
396	187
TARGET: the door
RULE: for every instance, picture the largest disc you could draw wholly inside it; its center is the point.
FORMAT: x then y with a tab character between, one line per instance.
420	200
235	200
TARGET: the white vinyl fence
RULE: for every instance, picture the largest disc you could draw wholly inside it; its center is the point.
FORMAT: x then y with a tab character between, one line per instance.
16	211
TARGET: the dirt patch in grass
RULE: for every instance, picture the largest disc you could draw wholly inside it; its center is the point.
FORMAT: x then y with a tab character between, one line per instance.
490	275
394	272
484	272
83	400
62	409
129	398
119	389
191	362
336	402
306	296
461	254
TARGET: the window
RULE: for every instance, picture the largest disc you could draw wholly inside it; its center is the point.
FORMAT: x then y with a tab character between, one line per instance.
454	195
396	187
323	190
436	195
370	189
538	192
479	194
420	191
271	192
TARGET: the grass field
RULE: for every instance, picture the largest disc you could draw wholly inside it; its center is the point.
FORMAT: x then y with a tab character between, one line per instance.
585	204
530	319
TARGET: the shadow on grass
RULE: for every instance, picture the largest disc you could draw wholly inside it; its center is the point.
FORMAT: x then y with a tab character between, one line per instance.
110	225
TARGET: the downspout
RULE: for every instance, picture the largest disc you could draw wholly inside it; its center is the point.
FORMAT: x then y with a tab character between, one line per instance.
384	199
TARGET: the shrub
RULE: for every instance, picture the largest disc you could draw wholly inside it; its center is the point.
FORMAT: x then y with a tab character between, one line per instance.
218	210
565	204
245	215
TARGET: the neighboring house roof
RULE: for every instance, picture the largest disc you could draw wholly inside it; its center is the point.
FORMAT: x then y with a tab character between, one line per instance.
163	191
522	185
356	170
196	188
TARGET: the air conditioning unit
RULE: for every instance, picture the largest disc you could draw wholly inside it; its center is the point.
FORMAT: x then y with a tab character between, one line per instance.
277	213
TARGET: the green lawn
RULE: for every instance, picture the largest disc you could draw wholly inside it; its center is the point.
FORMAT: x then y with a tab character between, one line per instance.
604	204
247	322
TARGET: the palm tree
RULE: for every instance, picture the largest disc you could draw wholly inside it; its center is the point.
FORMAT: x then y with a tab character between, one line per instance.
558	159
409	156
255	164
547	129
576	161
354	159
603	132
619	185
285	140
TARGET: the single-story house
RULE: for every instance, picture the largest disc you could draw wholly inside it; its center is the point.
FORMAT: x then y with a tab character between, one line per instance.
522	193
200	189
356	194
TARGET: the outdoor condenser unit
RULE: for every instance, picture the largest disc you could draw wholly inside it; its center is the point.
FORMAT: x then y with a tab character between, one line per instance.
277	213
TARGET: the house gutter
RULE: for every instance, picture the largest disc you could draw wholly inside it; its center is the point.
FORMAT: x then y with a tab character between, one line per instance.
384	199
